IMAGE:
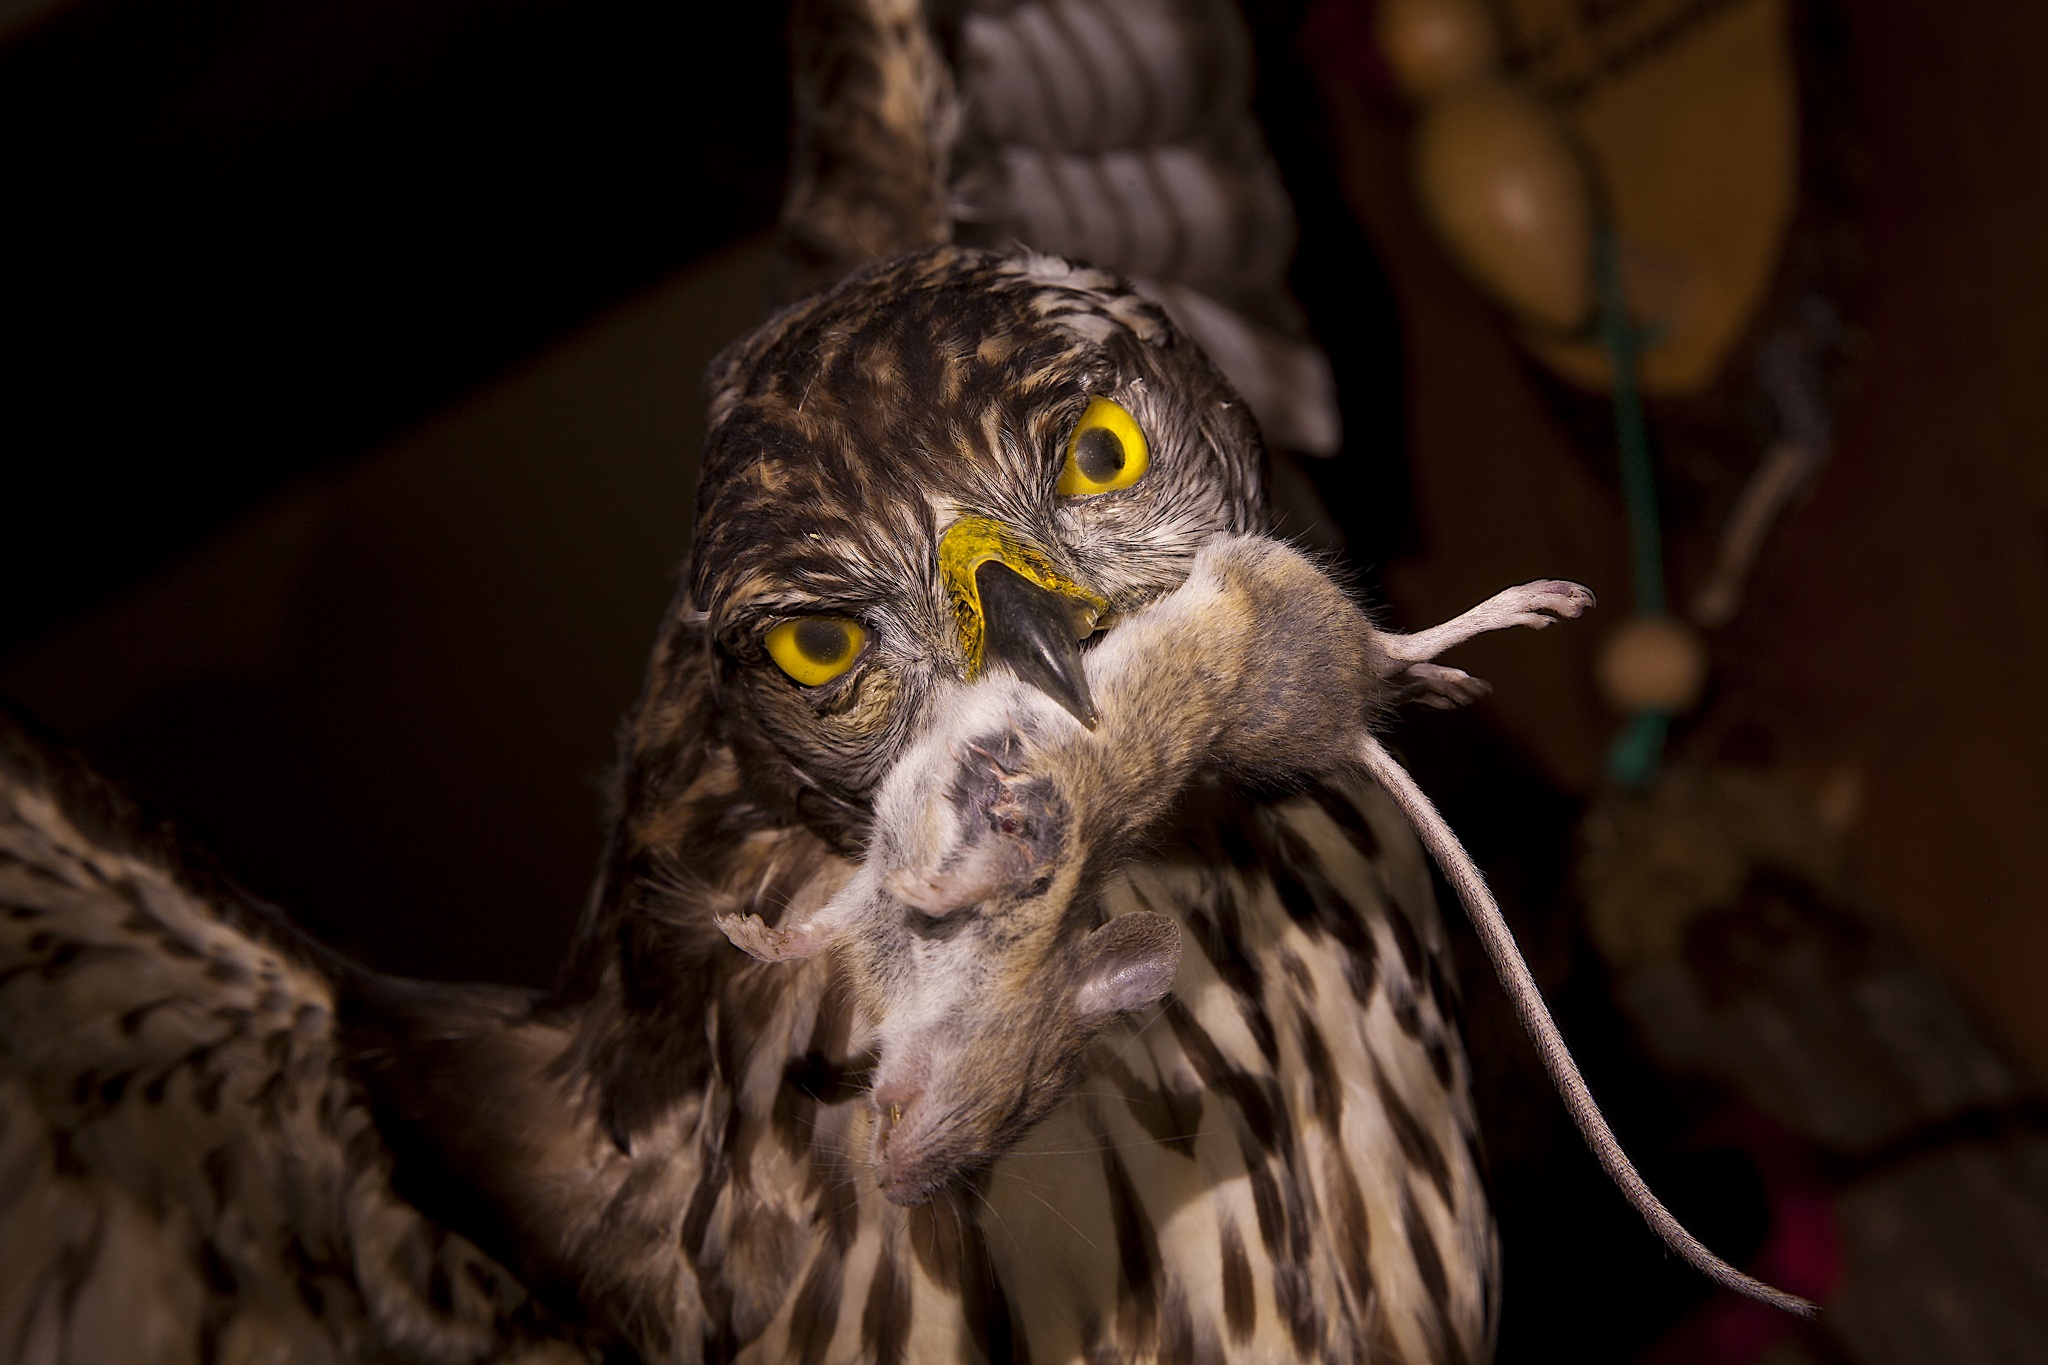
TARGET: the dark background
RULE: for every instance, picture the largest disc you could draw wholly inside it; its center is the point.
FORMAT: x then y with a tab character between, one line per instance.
251	244
350	358
249	241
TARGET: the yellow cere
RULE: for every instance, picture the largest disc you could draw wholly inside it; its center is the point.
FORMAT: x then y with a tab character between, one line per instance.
815	649
972	542
1105	453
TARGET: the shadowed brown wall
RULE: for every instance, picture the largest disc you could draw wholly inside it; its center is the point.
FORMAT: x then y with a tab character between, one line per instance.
386	698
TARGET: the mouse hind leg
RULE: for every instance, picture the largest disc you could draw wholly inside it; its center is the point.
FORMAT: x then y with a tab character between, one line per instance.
1534	605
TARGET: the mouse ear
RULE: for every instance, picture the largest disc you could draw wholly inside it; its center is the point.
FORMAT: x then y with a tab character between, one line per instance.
1127	964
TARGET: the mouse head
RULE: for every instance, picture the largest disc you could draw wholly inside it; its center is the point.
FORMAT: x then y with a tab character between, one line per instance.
996	1006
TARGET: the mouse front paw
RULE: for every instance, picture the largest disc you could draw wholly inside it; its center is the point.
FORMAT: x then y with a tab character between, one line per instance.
757	938
1009	829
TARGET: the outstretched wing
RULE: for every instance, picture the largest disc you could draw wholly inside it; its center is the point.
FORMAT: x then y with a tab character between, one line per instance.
187	1169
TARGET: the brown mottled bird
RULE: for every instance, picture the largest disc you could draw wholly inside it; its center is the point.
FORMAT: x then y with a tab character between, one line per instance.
1144	1050
953	465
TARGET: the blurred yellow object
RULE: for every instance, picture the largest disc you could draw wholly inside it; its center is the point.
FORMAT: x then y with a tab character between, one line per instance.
1437	46
1502	184
1652	663
1688	115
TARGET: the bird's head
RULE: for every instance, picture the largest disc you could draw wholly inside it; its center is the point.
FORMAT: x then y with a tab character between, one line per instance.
950	460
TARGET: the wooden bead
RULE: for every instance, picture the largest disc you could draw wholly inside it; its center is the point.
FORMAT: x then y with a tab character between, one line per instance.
1507	192
1436	46
1653	663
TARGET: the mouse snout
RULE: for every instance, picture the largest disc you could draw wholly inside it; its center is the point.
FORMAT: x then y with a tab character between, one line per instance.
900	1160
893	1100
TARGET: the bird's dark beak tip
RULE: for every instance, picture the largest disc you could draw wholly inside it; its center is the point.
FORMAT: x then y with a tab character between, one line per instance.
1080	708
1031	629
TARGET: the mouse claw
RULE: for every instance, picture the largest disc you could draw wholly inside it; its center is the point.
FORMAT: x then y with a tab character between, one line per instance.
757	938
1551	599
1440	687
1004	756
1014	827
1007	827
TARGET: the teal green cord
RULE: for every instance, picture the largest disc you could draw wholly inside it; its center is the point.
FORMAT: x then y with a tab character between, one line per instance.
1633	759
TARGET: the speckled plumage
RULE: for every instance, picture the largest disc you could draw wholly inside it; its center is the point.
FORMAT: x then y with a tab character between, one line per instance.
188	1170
849	432
667	1153
219	1141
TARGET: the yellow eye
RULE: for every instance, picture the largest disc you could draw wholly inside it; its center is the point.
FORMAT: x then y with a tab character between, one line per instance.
815	649
1105	453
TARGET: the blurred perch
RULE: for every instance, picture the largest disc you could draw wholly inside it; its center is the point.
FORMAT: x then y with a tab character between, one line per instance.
1118	133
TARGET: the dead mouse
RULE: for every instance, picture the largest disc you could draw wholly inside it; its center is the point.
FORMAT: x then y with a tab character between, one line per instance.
972	928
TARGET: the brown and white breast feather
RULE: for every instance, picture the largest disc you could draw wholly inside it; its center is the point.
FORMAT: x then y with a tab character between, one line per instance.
1281	1166
1278	1164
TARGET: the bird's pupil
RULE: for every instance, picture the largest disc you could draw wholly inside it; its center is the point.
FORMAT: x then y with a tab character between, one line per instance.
823	642
1099	455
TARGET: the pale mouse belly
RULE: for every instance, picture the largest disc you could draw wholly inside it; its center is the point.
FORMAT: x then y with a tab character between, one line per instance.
1281	1163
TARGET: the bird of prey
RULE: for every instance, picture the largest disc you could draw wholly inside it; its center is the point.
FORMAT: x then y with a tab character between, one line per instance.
1206	1100
223	1142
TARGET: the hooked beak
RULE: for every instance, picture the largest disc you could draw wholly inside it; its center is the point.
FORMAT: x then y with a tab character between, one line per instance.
1033	630
1015	607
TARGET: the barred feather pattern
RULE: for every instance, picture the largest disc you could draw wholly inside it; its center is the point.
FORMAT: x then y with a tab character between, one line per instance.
258	1148
876	117
219	1142
1280	1163
1277	1164
187	1171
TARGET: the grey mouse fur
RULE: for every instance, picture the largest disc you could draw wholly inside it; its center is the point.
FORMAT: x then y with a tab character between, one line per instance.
970	930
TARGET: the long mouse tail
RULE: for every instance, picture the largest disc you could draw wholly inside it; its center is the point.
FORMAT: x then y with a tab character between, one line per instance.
1521	987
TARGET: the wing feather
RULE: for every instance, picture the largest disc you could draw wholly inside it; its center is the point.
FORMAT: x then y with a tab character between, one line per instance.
188	1170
